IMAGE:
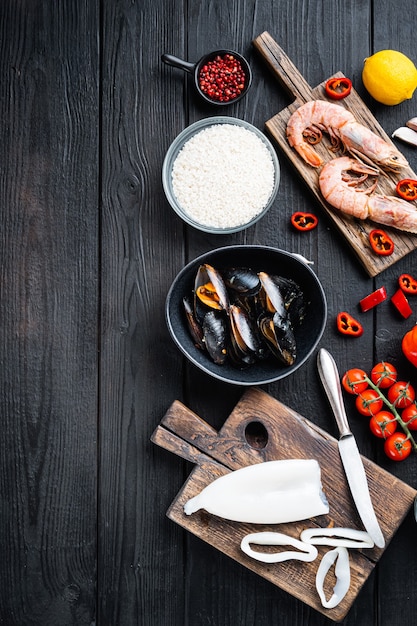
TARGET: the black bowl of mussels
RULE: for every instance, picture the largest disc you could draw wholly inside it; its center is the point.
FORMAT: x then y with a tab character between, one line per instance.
247	315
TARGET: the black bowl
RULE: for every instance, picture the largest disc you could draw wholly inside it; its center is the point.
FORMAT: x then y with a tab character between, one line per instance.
259	258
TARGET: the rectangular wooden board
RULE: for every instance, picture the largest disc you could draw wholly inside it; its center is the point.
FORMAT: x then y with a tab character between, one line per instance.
355	231
240	443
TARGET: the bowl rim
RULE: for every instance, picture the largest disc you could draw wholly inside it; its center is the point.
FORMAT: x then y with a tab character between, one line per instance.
172	153
259	248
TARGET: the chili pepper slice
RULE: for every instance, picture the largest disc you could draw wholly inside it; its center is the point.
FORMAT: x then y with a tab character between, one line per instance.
400	302
381	243
304	221
407	189
374	298
338	88
347	325
408	284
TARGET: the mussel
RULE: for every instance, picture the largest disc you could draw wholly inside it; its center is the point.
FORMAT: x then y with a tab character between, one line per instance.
243	316
215	336
210	289
245	342
280	337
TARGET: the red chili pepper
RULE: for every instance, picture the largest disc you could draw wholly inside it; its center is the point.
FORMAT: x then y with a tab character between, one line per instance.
338	88
408	284
223	78
304	221
401	303
347	325
381	243
374	298
407	189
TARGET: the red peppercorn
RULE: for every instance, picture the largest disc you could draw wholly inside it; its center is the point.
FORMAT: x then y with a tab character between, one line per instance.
222	79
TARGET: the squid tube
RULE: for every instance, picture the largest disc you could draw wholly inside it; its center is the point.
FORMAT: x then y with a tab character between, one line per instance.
273	492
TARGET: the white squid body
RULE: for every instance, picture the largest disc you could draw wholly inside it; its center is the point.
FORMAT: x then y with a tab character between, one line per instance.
315	116
273	492
341	193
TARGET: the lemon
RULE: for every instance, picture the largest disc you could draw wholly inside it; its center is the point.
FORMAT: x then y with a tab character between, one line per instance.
389	76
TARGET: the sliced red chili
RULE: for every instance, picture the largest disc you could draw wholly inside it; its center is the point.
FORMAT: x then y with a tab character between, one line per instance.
407	189
400	302
338	88
381	243
304	221
408	284
374	298
347	325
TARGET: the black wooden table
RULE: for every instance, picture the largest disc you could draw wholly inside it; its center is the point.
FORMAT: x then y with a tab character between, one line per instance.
89	247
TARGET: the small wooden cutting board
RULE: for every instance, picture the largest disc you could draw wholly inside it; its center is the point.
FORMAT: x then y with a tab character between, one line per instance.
355	231
261	429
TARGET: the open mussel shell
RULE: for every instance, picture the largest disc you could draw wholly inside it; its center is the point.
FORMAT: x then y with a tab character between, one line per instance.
257	258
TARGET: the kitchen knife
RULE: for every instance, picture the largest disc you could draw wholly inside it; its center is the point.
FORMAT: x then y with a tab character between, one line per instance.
349	453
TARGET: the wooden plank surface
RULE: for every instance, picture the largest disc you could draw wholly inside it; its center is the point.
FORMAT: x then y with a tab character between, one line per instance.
89	247
48	312
355	231
288	435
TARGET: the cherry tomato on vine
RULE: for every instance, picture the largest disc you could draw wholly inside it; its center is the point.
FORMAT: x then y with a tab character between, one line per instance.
397	447
383	424
401	394
353	381
369	402
383	375
409	416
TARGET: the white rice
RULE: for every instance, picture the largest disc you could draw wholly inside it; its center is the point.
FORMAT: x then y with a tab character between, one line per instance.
223	177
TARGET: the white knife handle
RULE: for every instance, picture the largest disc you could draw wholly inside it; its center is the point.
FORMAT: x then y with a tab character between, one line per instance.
331	382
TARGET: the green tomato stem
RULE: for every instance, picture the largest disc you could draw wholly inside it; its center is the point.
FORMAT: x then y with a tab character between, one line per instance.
394	411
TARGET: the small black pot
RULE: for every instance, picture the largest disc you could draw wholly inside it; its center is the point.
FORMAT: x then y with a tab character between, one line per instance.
194	69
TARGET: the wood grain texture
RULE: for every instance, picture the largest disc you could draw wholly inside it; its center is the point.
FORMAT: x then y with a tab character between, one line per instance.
355	231
288	436
89	247
49	304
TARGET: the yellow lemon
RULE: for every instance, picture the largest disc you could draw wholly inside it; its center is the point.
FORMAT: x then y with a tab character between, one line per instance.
389	76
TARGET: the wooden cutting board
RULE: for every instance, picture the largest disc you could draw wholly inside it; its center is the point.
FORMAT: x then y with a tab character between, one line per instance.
355	231
260	429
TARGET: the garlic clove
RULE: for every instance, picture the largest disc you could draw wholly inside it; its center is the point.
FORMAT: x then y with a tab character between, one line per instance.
340	556
406	134
412	123
271	492
343	537
305	552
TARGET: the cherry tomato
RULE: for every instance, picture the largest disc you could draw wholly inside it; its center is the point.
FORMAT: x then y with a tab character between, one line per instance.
383	375
397	447
353	381
369	402
383	424
409	416
401	394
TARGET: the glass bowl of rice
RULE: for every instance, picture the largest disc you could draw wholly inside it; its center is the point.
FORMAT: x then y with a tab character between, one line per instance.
221	175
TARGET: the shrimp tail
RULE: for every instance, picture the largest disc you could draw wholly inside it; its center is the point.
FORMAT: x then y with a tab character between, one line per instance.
307	152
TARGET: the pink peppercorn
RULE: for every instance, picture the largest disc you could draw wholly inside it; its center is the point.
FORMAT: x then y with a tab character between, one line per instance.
222	79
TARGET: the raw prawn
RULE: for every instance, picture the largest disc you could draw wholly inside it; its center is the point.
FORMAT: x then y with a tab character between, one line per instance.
306	124
339	187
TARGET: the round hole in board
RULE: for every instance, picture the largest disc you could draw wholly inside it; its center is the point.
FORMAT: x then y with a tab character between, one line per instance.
256	435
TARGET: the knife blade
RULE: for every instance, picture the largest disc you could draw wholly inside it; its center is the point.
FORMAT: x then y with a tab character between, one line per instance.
348	449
